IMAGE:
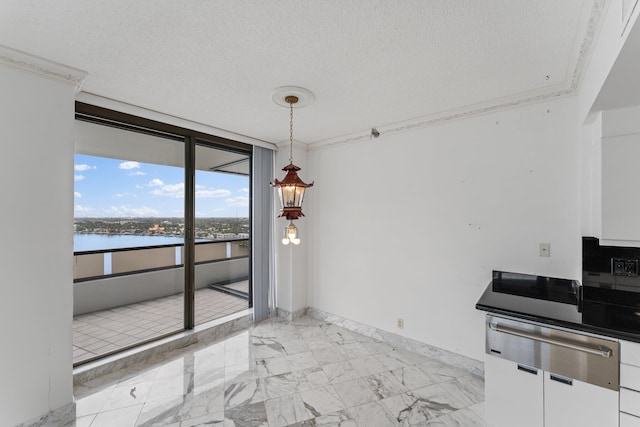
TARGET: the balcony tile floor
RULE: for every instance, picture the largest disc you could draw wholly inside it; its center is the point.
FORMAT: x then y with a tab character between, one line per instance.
104	331
277	373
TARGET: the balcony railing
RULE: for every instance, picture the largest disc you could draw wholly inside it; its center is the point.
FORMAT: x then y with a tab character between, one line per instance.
92	265
116	277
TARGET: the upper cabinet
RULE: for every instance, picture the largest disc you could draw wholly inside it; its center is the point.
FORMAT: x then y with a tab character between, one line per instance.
621	175
610	135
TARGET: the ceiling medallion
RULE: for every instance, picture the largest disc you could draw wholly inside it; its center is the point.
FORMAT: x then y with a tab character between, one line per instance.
305	96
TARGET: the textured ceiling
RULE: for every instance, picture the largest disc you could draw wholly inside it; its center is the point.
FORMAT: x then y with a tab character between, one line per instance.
370	63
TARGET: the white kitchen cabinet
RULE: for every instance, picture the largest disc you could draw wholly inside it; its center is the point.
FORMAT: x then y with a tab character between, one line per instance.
515	393
575	403
627	420
518	395
630	353
620	173
614	156
630	402
629	384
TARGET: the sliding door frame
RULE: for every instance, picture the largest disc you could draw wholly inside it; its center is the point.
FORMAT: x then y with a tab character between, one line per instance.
191	138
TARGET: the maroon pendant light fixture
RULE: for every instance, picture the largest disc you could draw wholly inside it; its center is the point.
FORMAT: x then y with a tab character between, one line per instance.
291	189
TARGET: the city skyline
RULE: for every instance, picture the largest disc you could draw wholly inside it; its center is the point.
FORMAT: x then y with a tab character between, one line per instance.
114	188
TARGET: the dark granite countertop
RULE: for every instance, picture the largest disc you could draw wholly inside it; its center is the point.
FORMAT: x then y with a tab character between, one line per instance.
545	300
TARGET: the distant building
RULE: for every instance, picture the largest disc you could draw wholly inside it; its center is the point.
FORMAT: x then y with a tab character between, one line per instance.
226	236
156	229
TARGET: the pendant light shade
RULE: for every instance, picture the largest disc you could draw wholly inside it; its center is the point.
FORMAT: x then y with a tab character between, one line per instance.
291	192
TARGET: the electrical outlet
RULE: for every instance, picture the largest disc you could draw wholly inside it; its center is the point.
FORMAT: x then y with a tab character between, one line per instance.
624	267
544	249
400	323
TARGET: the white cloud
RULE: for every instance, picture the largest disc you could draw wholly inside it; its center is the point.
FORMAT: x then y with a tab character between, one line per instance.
240	201
84	167
125	195
80	211
244	190
177	190
212	193
129	165
76	194
124	210
168	190
203	192
137	173
78	177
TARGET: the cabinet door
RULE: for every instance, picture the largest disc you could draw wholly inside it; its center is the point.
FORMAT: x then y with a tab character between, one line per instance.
575	403
513	394
630	354
627	420
620	173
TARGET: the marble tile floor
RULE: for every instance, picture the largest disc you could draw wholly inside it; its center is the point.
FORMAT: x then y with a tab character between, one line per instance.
278	373
104	331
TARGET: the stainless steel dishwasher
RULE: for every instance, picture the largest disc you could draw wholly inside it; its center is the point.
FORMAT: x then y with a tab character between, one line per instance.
566	355
541	376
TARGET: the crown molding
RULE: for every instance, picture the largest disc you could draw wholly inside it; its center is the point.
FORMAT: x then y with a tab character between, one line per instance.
447	116
598	10
35	64
296	144
569	87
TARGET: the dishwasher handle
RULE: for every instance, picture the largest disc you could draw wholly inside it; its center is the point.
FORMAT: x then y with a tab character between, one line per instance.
598	351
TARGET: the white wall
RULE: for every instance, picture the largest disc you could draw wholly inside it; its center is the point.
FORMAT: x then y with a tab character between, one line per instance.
36	171
411	225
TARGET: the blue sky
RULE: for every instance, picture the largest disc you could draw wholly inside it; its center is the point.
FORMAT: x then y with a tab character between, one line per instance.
120	188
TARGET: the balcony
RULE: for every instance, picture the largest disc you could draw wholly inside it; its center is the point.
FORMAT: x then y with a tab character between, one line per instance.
124	297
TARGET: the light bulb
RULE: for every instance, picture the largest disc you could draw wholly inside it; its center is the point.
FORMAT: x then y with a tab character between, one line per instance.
285	241
295	241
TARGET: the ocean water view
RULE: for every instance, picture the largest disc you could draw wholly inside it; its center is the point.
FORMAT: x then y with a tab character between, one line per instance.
94	242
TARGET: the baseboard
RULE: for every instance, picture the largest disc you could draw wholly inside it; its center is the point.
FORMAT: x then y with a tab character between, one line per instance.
471	365
58	417
288	315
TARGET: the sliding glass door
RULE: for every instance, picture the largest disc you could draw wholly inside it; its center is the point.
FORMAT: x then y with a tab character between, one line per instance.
129	238
162	232
222	285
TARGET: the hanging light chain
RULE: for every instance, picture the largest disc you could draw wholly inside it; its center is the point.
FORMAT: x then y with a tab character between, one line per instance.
290	132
